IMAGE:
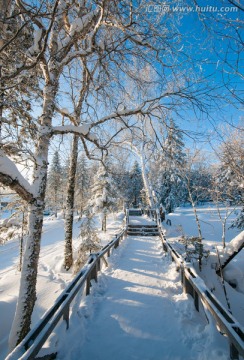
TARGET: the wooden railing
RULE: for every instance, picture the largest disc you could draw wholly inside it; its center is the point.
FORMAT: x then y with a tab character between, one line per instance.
195	286
33	342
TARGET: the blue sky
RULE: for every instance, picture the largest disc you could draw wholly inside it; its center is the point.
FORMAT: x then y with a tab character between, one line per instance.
206	39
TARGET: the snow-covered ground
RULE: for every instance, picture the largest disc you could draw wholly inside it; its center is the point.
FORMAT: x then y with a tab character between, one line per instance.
183	223
138	311
52	278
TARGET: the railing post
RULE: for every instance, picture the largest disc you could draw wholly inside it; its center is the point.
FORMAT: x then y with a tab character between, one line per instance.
88	284
116	243
66	316
196	300
105	261
98	264
93	275
234	355
187	286
182	275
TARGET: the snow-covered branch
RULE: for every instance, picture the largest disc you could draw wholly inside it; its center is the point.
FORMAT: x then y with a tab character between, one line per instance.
10	176
83	130
72	129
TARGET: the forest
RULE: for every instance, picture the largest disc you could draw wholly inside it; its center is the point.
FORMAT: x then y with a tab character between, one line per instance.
108	105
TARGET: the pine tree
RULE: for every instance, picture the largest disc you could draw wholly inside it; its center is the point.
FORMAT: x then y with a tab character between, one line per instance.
55	178
83	183
170	163
104	194
135	185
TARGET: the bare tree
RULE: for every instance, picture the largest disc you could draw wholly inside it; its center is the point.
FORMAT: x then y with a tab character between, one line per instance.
56	34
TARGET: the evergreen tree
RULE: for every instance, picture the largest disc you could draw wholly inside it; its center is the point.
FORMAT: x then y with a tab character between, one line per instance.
200	182
103	194
55	180
135	185
239	221
89	241
171	186
230	174
83	183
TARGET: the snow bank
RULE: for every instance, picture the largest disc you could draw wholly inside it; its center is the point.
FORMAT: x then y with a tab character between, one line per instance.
232	247
235	276
234	271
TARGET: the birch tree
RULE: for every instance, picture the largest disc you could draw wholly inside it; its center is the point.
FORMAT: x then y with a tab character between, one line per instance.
46	39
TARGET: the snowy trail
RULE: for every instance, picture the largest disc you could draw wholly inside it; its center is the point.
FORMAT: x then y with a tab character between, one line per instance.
142	313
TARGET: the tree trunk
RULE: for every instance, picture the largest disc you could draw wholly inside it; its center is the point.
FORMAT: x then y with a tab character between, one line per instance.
223	232
195	213
68	251
147	187
27	293
21	242
55	202
105	222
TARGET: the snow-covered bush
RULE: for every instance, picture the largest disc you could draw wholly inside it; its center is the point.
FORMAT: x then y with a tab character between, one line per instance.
194	249
90	242
103	199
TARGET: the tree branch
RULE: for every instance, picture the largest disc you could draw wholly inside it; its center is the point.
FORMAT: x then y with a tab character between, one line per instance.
11	177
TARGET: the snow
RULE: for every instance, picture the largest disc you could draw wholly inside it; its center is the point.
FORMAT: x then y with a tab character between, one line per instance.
137	311
82	129
64	111
140	220
79	23
8	168
92	137
52	278
77	26
183	224
209	221
37	37
233	246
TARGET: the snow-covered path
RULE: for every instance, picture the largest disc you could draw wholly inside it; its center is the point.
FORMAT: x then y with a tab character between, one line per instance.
142	313
141	220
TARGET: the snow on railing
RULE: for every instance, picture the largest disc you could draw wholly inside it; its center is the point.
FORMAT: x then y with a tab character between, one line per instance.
35	339
195	286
